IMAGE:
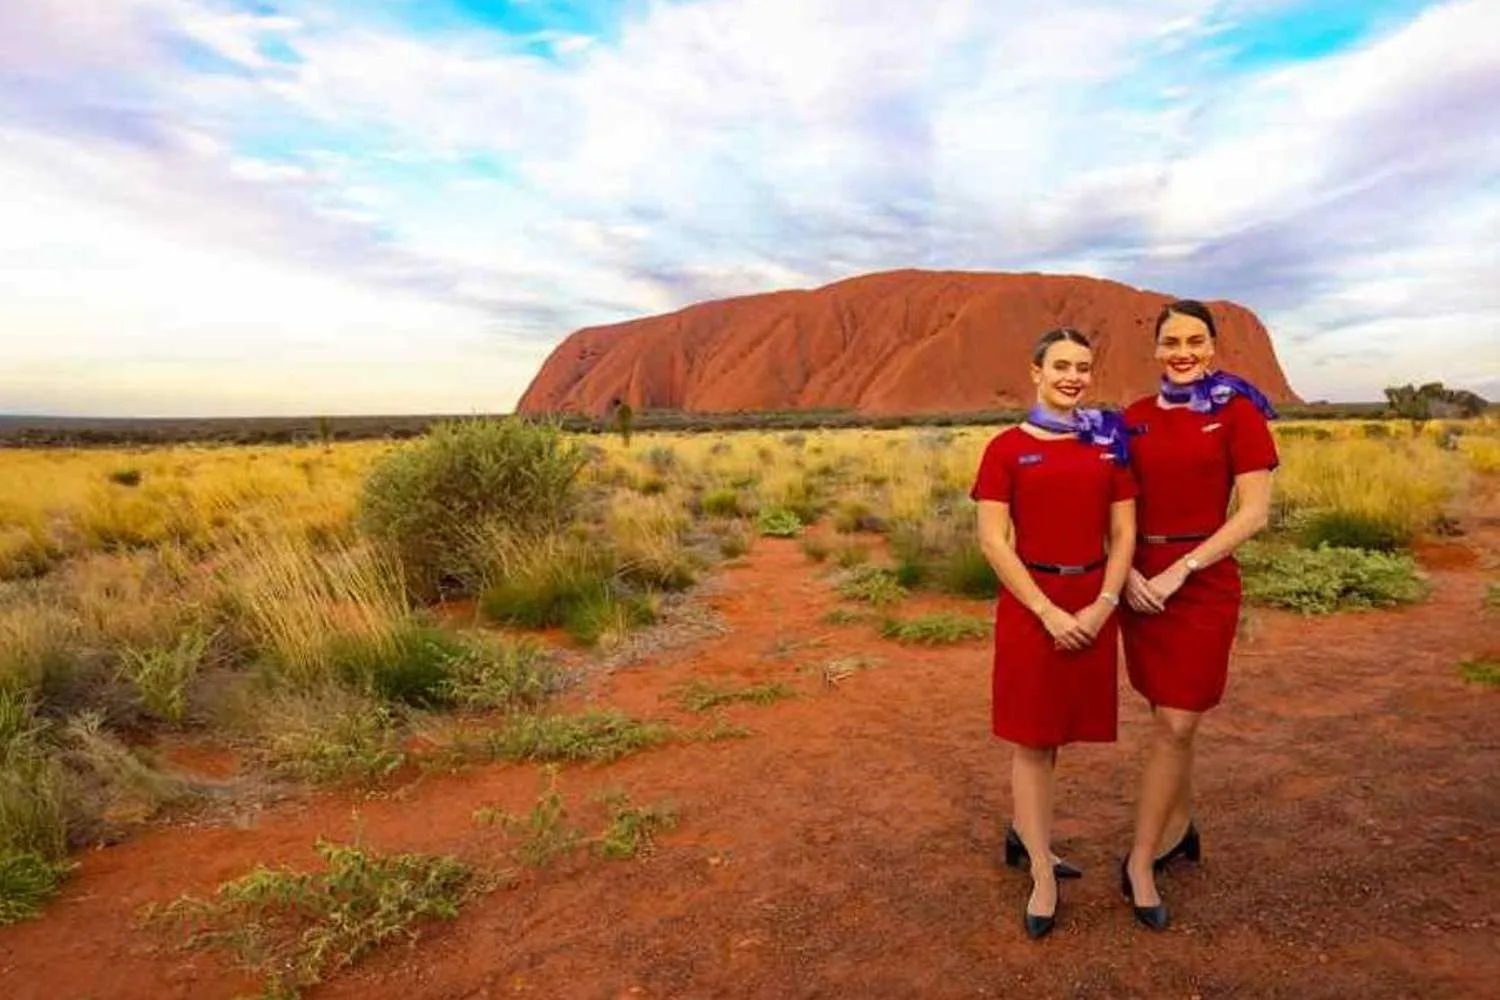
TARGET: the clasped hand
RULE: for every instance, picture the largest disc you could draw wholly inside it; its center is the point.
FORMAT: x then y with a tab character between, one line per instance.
1075	631
1150	596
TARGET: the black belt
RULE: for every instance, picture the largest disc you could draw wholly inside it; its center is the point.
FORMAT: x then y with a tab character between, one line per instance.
1064	570
1169	539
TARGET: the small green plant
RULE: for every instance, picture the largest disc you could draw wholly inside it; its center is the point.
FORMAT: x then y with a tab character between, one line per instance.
1484	671
161	676
700	695
1351	530
854	515
778	522
872	584
631	829
544	832
1325	580
501	674
28	881
936	629
722	729
126	477
296	929
843	616
592	736
330	737
1492	596
850	556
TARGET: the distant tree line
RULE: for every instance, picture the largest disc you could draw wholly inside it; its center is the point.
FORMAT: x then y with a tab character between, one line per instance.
1421	403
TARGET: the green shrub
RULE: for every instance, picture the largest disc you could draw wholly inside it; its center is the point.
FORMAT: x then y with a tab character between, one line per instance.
413	666
592	736
544	831
161	676
631	829
935	629
1342	529
545	586
778	522
126	477
605	612
1324	580
815	548
943	555
432	503
872	584
736	540
850	556
501	674
296	929
1484	671
27	882
34	803
333	736
722	503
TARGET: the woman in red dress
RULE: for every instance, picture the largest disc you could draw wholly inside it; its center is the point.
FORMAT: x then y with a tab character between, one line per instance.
1057	522
1202	437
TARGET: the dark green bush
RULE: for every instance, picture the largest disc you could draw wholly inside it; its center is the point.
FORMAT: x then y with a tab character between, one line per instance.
431	503
1349	530
1324	580
722	503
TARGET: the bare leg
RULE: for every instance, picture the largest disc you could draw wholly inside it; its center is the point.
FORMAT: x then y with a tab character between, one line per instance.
1167	766
1032	792
1182	806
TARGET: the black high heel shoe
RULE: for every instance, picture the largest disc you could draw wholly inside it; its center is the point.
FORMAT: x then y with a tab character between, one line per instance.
1190	847
1016	856
1039	927
1154	917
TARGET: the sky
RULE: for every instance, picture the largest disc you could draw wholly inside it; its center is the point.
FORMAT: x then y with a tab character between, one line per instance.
258	207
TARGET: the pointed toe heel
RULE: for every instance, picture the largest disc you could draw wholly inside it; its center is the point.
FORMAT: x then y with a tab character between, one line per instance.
1016	856
1154	917
1039	927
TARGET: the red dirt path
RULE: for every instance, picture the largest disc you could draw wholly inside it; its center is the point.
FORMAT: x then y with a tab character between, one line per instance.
848	848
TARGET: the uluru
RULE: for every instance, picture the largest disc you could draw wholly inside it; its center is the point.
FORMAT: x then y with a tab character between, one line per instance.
898	342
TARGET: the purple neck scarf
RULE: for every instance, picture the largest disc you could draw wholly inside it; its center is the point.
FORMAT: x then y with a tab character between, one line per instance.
1214	390
1102	427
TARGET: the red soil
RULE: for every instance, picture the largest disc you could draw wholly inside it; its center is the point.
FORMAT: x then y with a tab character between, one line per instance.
896	342
848	847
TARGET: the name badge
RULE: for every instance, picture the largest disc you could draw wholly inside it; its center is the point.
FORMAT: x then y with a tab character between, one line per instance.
1211	427
1031	459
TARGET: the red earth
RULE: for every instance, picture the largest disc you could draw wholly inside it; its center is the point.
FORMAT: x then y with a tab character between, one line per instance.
889	343
849	846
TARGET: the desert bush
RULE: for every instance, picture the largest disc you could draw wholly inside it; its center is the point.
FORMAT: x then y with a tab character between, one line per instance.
630	829
295	929
544	833
853	515
34	791
26	551
735	540
1325	580
1401	483
161	676
850	556
723	503
1351	530
327	736
935	629
551	579
778	522
815	548
502	674
647	536
426	502
606	617
125	477
592	736
1376	431
40	648
943	555
873	584
27	882
1484	671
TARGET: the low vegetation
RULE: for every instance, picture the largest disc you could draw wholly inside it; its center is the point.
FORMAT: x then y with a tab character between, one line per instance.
701	695
295	929
1326	579
937	629
1484	671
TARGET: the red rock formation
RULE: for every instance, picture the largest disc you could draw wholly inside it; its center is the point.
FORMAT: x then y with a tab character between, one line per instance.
896	342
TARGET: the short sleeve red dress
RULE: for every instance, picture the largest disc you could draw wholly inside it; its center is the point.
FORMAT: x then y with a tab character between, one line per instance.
1185	462
1059	492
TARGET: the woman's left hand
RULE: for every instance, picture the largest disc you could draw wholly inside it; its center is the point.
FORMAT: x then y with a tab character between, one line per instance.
1169	581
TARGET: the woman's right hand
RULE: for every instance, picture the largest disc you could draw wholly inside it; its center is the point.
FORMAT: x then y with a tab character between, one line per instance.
1142	597
1066	631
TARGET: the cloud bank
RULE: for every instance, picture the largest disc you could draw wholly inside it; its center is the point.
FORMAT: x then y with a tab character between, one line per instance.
270	207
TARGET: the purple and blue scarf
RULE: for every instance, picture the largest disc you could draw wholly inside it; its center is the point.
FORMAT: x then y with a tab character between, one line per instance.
1105	428
1213	391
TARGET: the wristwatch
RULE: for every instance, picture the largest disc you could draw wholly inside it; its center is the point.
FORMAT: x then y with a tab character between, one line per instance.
1109	598
1192	564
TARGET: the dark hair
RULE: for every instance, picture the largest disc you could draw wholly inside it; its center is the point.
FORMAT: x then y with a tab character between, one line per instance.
1188	307
1051	337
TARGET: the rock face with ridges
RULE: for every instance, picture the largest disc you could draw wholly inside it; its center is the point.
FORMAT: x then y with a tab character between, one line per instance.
891	343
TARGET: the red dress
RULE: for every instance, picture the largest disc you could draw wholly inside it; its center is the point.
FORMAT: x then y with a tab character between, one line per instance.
1185	463
1059	493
